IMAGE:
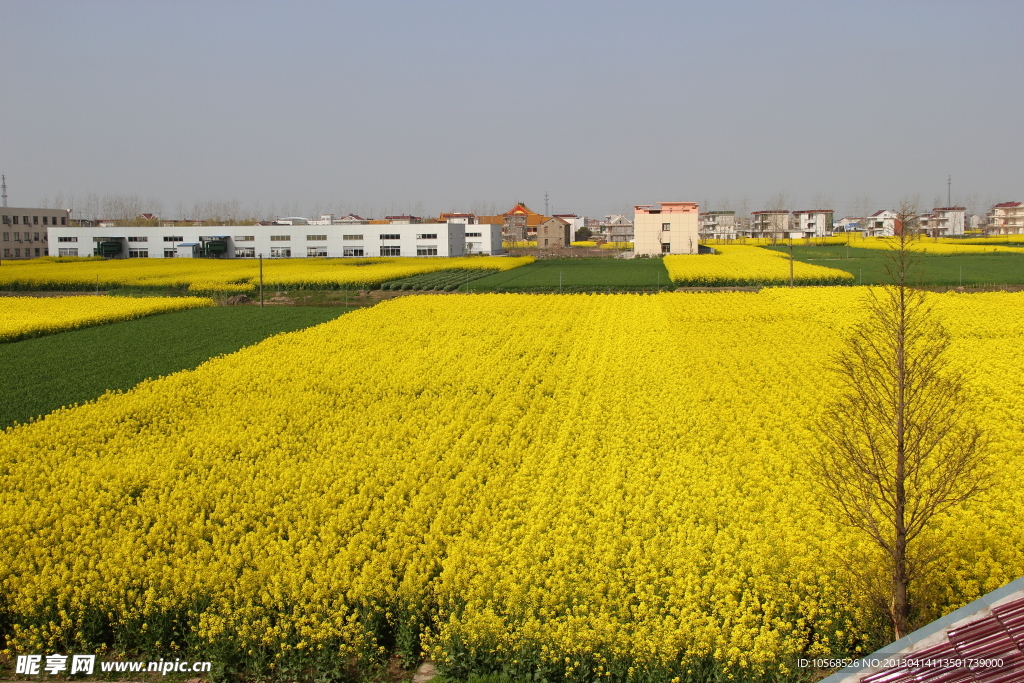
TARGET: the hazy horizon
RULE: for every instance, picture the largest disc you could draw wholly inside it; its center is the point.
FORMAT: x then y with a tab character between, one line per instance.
395	107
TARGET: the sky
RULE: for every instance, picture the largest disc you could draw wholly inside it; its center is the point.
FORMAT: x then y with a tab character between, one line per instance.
291	108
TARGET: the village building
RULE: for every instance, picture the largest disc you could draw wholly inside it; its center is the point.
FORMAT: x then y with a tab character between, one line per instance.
519	223
718	225
554	232
943	221
665	228
811	223
25	232
883	223
1006	218
770	223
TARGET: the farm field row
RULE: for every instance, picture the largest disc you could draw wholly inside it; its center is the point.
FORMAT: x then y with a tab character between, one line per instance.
734	265
24	317
867	266
474	478
231	275
578	275
47	373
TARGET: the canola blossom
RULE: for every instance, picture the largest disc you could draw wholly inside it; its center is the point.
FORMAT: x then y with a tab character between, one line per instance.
741	265
583	243
1017	240
617	245
927	245
474	479
25	316
235	275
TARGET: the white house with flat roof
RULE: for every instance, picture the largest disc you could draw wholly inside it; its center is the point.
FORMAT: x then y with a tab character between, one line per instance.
279	241
811	223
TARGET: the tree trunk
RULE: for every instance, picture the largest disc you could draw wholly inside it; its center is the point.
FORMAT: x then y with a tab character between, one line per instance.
900	601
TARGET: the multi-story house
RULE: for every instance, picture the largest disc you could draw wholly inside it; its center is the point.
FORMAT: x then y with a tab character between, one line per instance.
881	223
666	228
554	232
24	233
519	223
811	223
771	223
943	221
617	228
718	225
1006	218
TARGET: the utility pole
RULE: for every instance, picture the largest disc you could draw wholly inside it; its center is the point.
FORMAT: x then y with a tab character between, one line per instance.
3	190
949	190
545	202
790	261
261	279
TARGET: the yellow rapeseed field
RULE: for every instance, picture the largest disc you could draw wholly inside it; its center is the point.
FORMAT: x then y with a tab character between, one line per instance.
233	275
927	245
22	317
746	265
476	478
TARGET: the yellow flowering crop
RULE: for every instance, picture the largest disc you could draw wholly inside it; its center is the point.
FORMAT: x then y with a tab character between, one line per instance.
746	265
617	245
234	275
25	316
927	245
584	243
475	477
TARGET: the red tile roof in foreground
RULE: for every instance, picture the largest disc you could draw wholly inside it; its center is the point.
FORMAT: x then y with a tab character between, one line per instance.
1007	205
815	211
998	636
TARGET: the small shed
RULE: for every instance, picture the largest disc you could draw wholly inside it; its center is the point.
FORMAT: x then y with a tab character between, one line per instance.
187	250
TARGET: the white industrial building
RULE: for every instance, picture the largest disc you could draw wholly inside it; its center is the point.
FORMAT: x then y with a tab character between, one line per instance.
278	241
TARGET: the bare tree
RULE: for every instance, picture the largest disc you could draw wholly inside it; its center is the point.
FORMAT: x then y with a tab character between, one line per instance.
898	448
861	206
779	216
122	207
821	200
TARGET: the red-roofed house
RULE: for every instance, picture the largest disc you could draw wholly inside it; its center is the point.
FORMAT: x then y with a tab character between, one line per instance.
1006	218
881	223
944	221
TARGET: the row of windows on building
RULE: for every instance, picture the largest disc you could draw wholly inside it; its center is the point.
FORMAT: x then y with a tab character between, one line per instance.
250	252
24	237
28	252
13	220
252	238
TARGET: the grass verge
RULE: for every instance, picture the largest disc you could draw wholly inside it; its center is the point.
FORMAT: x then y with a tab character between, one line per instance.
46	373
931	270
579	275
